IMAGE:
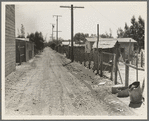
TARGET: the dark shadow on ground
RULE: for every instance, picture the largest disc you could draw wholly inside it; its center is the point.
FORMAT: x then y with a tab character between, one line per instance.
37	56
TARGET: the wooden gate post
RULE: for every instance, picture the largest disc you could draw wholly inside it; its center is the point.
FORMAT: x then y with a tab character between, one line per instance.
141	59
98	61
89	65
85	59
116	61
101	63
126	73
112	67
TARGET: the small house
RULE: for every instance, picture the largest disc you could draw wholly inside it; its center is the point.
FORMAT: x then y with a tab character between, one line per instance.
106	45
124	46
24	50
89	43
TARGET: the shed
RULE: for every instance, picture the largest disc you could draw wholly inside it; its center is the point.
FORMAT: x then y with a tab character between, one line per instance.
24	50
89	43
124	46
106	45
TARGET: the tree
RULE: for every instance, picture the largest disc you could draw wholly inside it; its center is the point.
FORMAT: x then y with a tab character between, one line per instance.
22	31
86	35
38	40
126	31
135	31
120	33
79	38
22	34
107	35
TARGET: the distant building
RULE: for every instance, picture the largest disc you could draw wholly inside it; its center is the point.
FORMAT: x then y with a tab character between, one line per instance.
24	50
10	51
124	46
89	43
106	43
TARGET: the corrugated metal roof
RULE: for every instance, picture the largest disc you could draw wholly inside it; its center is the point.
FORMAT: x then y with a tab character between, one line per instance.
74	44
125	40
105	43
91	39
65	43
23	39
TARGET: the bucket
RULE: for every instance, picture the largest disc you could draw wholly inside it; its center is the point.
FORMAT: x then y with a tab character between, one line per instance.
135	93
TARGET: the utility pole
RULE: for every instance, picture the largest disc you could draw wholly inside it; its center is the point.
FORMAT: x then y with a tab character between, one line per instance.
57	25
97	49
72	7
52	30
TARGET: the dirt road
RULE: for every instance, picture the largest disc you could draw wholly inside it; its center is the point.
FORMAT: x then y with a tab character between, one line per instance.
49	86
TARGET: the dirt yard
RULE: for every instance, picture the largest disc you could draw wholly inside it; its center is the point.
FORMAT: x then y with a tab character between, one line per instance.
51	85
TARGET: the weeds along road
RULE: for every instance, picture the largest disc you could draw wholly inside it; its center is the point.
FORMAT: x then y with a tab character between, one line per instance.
47	87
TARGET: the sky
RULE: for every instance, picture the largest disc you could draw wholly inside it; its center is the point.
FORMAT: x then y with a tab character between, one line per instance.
38	16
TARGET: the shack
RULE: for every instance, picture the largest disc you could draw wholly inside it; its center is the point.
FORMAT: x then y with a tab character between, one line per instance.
106	45
89	44
24	50
126	46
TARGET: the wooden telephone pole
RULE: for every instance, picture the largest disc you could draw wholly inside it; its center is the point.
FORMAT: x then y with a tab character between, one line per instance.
52	30
72	7
57	25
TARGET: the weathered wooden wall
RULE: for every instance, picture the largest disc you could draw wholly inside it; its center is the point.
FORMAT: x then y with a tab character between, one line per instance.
10	51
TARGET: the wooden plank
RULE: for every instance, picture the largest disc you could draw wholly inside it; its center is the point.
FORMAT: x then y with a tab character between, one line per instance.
137	66
101	65
120	75
132	66
112	67
116	61
108	53
129	50
126	74
107	64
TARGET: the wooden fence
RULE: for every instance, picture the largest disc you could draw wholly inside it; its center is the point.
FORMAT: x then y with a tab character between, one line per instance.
102	62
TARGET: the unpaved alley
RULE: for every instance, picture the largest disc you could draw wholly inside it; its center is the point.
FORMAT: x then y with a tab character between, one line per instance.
48	85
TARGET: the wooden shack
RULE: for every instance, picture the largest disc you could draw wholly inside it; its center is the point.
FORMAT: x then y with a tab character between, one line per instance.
89	44
24	50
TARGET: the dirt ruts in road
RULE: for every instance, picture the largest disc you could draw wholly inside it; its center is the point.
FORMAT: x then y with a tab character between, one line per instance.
50	88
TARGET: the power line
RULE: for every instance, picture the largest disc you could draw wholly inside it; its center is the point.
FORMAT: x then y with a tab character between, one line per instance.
57	25
72	7
104	16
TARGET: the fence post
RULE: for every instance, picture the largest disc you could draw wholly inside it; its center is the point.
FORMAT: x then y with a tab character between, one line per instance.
90	60
85	59
112	67
116	60
101	74
141	59
126	73
137	66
